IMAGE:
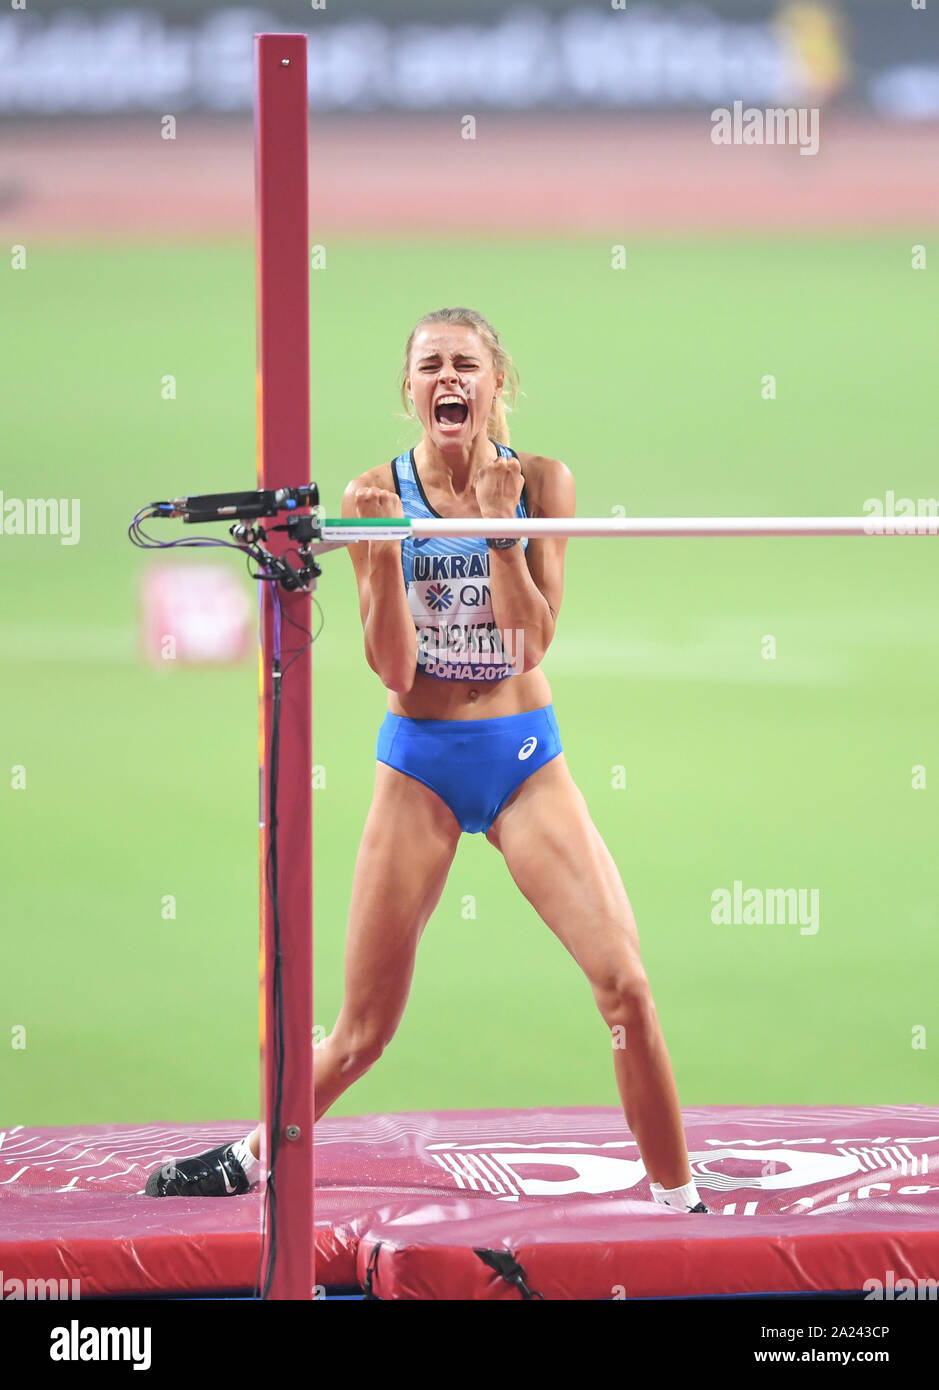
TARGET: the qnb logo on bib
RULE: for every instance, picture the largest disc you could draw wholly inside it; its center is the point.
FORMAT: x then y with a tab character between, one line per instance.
527	748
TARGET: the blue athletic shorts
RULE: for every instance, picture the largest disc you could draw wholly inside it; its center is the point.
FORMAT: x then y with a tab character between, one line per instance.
473	764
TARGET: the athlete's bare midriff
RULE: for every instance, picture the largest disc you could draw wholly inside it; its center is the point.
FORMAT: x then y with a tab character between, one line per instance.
430	698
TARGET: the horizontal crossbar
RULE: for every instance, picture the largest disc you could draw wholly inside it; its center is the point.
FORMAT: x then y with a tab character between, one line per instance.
344	530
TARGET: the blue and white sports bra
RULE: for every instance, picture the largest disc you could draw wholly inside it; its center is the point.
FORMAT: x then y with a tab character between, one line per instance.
447	582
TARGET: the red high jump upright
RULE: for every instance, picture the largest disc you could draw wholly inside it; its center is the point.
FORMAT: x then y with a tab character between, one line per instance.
283	440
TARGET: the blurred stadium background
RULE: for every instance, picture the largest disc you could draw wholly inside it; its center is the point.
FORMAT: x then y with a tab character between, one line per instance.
131	265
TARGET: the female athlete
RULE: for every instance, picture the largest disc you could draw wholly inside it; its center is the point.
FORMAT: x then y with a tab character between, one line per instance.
456	630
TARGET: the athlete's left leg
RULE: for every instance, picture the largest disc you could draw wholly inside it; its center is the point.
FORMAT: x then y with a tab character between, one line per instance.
558	859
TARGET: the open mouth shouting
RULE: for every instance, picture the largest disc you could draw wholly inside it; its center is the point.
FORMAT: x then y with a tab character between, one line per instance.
451	413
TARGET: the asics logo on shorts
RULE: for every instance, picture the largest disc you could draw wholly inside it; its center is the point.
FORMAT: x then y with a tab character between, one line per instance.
527	748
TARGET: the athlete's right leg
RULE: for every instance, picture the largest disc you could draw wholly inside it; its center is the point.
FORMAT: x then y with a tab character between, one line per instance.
407	847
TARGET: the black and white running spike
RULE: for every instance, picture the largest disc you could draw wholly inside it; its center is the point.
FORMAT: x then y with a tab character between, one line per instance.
216	1173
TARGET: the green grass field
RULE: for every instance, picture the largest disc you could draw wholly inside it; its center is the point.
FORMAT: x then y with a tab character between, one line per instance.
794	772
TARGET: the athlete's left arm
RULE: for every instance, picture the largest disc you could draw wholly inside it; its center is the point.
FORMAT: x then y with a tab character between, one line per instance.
527	586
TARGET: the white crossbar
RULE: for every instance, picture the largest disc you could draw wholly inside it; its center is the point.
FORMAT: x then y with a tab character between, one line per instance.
346	530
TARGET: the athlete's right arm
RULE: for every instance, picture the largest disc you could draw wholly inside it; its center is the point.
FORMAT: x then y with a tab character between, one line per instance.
390	634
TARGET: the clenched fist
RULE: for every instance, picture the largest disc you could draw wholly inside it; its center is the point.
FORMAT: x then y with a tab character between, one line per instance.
499	486
377	501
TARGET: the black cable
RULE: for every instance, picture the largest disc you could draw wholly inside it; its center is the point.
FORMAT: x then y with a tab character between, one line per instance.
306	632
